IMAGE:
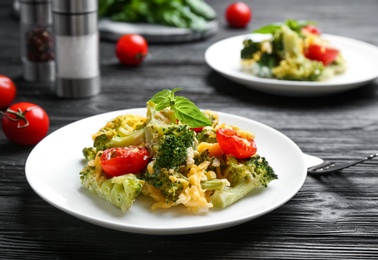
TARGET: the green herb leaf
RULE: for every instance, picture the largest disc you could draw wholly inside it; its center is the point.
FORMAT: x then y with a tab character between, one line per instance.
297	25
185	110
161	99
164	98
188	113
269	29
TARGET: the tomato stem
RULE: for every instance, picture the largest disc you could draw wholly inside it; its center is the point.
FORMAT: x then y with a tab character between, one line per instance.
19	116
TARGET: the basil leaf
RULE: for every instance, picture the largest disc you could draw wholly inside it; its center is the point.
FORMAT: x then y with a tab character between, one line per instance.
188	113
164	98
268	29
297	25
185	110
161	99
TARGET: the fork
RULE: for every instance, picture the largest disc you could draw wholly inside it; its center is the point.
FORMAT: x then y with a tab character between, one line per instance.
329	167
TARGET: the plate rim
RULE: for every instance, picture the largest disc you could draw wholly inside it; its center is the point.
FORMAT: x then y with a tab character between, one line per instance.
160	231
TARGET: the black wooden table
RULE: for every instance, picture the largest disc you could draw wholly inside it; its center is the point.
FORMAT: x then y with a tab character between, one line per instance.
333	216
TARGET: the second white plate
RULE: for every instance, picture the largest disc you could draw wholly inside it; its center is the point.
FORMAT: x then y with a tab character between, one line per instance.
362	59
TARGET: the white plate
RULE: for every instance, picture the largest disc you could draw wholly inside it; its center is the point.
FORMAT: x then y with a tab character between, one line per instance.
52	170
362	59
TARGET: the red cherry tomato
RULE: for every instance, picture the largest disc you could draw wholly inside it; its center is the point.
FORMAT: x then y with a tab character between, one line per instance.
324	54
238	14
311	29
123	160
197	129
7	91
231	143
25	123
131	49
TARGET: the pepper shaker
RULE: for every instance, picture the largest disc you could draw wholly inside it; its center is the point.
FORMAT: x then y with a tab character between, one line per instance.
37	52
76	48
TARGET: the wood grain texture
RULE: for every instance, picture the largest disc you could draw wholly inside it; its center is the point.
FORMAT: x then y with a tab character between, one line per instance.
331	217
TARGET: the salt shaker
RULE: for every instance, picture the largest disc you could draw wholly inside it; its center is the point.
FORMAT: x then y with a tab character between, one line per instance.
76	48
37	48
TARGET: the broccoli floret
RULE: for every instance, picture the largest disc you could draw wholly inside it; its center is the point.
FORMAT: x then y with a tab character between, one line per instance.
215	184
249	49
299	68
244	175
89	153
168	182
121	191
124	130
168	143
201	157
170	160
268	60
207	134
174	145
278	45
107	140
157	121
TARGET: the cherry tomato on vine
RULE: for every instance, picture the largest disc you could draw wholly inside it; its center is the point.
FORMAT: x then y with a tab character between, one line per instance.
7	91
25	123
231	143
324	54
238	14
131	49
123	160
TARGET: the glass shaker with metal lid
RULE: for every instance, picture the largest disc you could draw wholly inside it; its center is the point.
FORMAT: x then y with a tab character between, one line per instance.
76	48
37	48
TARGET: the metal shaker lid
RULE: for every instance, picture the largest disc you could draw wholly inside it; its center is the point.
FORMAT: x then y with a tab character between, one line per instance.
32	1
74	6
35	12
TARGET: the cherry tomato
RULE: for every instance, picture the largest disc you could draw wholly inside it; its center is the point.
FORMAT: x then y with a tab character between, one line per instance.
324	54
197	129
231	143
122	160
238	14
131	49
7	91
25	123
312	29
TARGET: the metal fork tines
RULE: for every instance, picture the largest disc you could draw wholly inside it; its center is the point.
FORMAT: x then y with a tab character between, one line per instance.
328	167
